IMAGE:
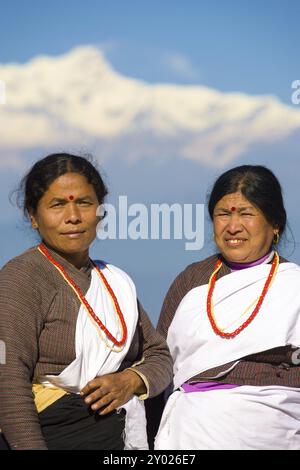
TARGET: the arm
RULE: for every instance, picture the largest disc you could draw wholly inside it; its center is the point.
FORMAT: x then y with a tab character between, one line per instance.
148	377
156	367
179	288
20	325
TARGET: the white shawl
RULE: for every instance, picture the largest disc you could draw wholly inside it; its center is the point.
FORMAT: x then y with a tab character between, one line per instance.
195	347
245	417
93	357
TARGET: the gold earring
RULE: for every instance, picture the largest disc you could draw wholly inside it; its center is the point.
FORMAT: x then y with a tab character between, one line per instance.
33	224
276	238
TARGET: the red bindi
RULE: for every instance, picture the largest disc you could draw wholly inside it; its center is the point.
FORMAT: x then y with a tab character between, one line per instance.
71	198
233	209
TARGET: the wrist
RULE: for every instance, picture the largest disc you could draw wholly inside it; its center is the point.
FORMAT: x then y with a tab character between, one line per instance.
137	384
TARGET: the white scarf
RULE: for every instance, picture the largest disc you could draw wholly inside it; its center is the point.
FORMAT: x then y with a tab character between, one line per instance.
245	417
195	347
93	357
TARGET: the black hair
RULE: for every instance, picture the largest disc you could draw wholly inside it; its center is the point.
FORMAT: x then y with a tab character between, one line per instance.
259	185
45	171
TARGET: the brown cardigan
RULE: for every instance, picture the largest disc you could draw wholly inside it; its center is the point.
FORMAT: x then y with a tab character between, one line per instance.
38	313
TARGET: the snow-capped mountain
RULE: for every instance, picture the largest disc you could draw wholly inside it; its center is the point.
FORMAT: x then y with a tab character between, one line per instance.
78	99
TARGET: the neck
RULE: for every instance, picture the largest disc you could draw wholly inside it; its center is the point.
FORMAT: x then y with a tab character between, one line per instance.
78	260
236	266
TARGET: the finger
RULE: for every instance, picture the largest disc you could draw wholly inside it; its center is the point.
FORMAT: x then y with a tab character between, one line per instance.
88	388
96	395
91	386
110	408
103	402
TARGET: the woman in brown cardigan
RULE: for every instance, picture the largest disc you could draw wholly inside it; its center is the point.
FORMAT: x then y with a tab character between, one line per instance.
81	353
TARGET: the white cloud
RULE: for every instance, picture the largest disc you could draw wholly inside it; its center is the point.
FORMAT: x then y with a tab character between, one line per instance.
78	99
181	66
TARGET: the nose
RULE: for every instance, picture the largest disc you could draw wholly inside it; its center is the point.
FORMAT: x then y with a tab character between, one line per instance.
72	214
234	224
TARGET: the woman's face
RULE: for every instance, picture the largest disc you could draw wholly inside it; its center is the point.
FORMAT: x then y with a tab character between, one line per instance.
241	231
66	216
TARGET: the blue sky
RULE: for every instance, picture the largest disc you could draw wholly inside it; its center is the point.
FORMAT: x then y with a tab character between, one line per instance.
237	45
204	50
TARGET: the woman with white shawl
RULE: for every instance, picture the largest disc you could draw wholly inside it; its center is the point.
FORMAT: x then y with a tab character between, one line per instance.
81	353
232	323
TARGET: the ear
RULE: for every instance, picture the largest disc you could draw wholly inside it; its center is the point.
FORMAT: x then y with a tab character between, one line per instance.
34	223
276	236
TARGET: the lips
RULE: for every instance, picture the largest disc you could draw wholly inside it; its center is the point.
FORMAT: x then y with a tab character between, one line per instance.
235	241
73	232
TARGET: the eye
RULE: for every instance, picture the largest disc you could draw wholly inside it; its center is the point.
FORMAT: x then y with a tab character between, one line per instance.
57	204
85	203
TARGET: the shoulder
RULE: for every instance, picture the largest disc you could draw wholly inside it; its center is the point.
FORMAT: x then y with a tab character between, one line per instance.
288	265
202	266
114	270
198	272
289	268
194	275
29	265
27	260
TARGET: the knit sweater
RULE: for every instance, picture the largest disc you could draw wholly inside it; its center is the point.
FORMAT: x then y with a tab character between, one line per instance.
38	314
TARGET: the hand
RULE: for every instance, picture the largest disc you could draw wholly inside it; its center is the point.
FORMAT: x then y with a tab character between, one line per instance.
112	390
